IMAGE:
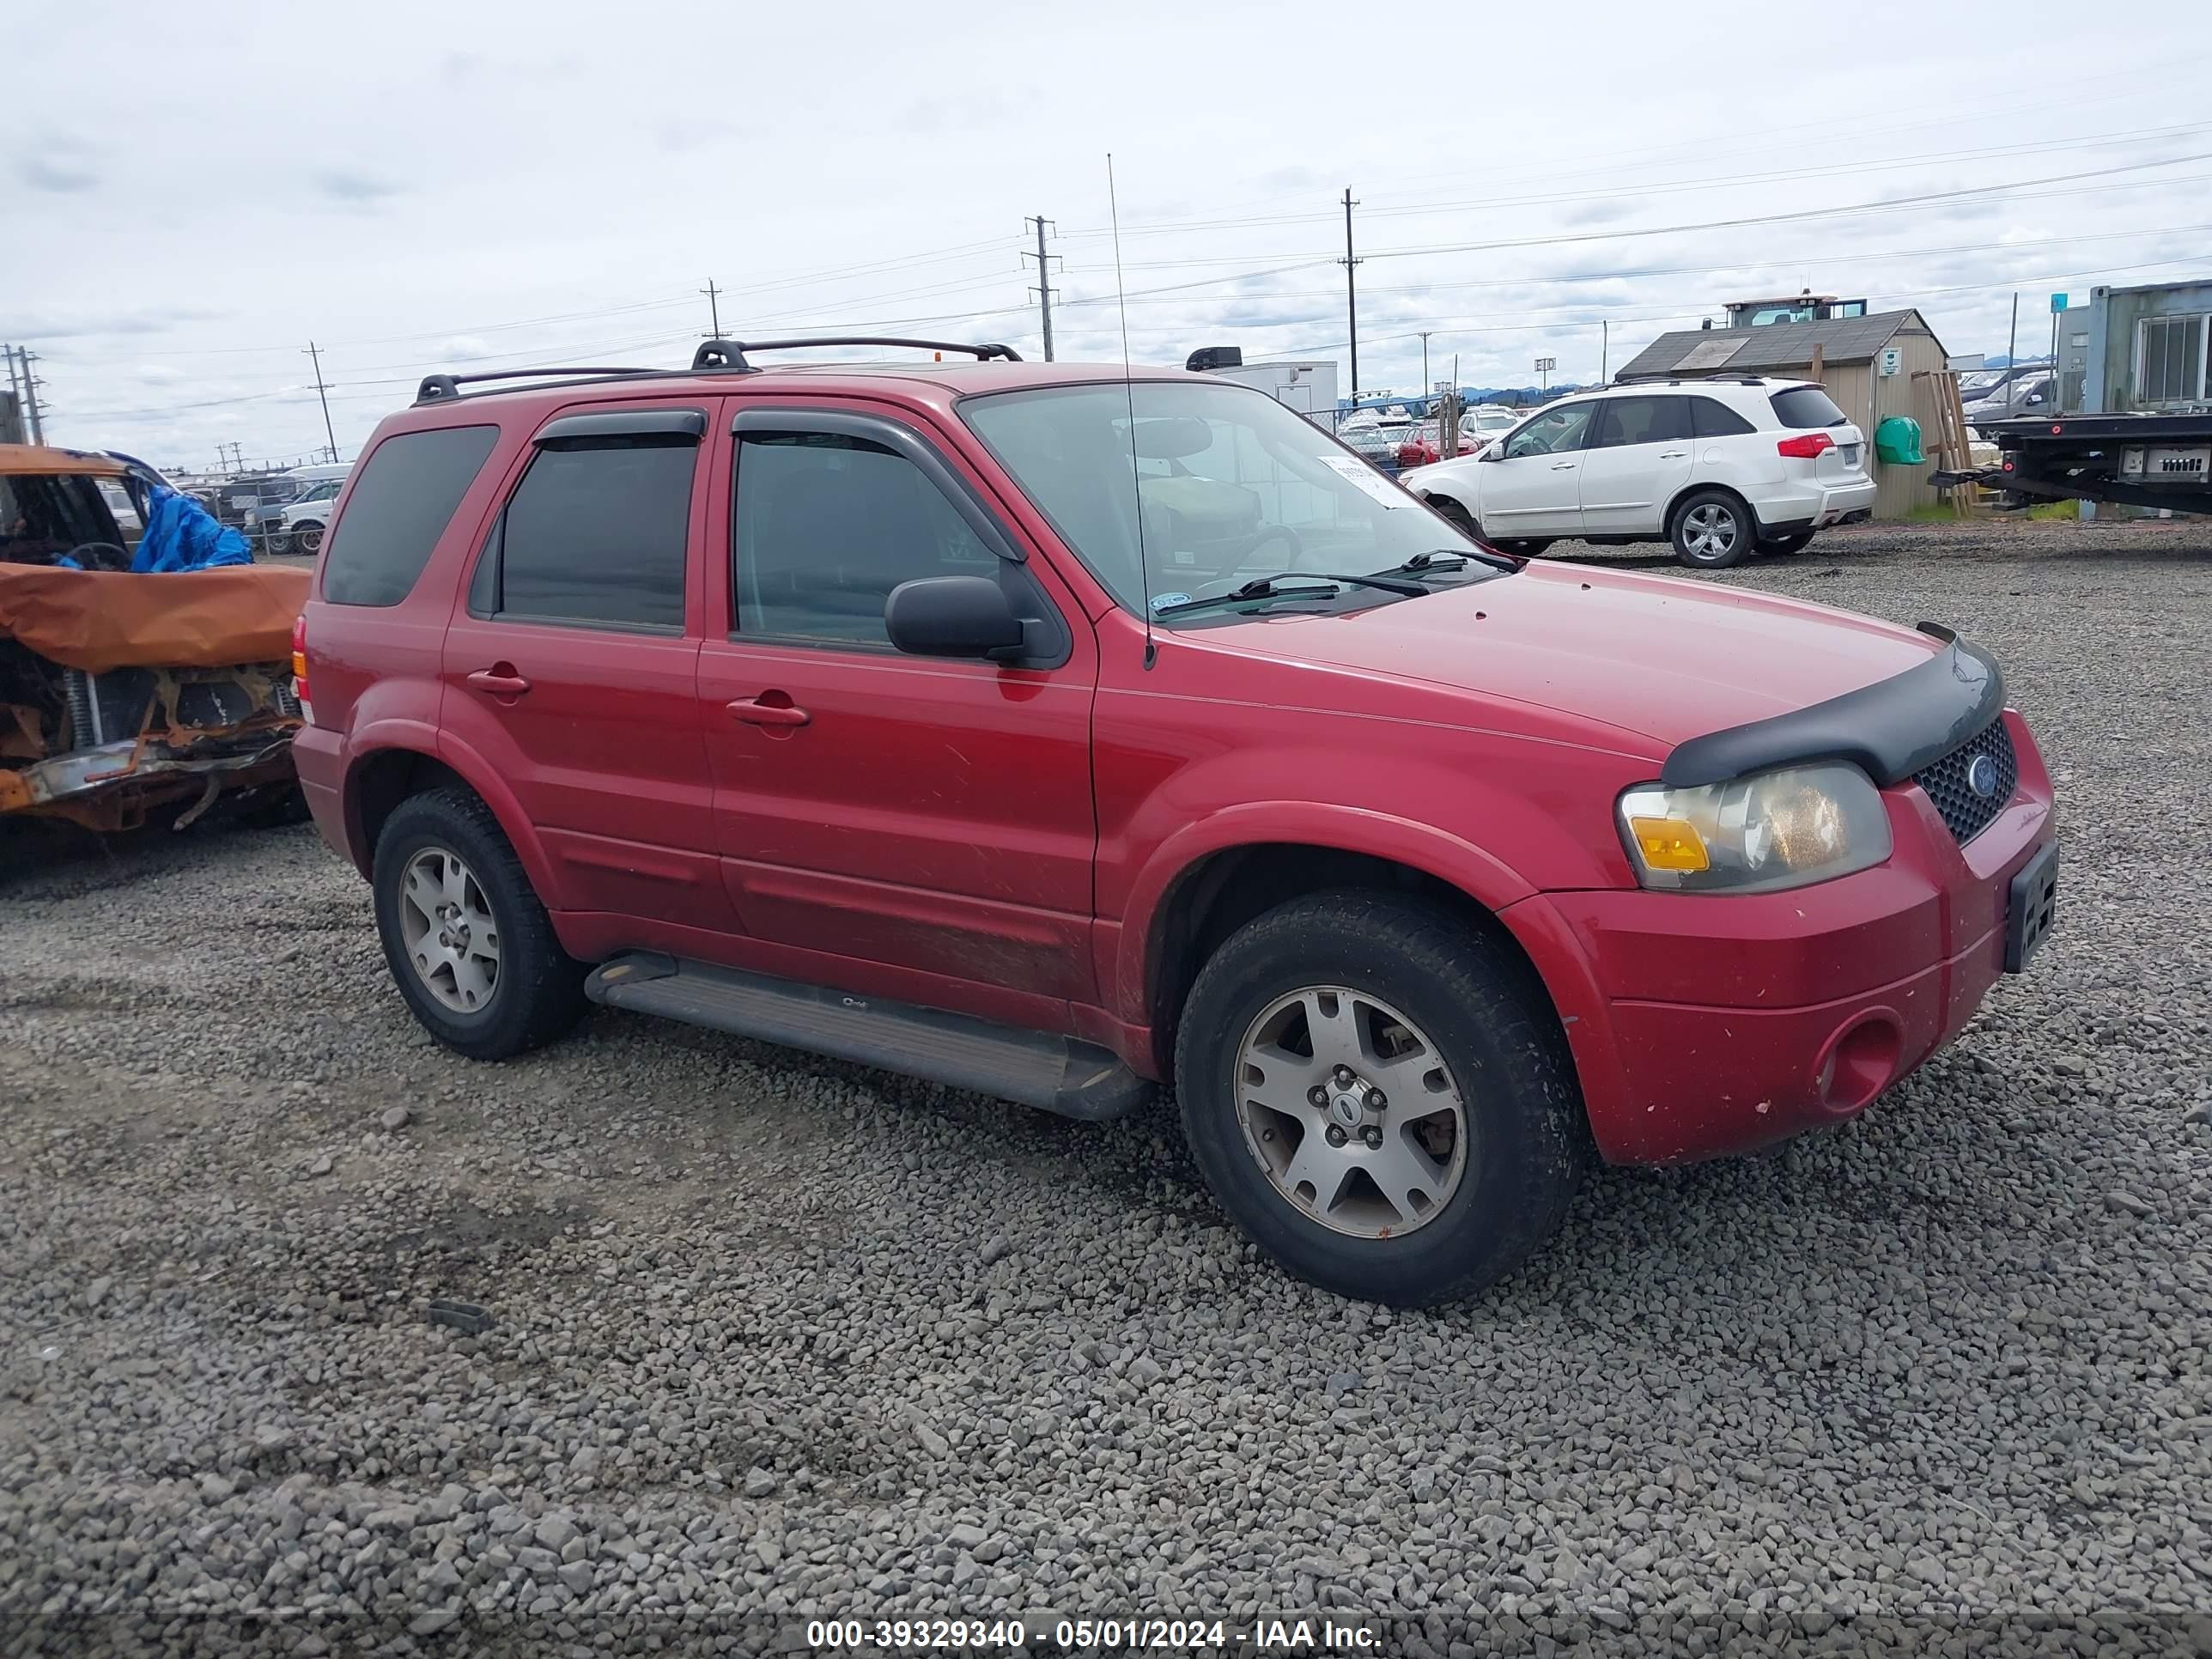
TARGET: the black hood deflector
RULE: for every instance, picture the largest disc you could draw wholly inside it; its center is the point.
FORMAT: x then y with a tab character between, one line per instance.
1890	729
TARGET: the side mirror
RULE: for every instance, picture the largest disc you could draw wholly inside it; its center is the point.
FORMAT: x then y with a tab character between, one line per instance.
1493	451
953	617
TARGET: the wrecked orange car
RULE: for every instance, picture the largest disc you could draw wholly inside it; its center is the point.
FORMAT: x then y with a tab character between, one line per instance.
126	694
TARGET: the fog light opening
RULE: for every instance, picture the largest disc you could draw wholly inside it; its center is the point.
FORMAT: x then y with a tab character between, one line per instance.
1859	1062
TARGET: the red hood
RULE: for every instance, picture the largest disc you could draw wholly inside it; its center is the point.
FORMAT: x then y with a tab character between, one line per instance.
1670	656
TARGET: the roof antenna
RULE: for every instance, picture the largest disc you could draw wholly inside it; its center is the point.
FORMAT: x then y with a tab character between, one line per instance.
1130	396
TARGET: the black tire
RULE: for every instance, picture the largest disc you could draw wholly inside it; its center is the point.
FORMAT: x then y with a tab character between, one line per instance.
1694	547
1527	1139
540	992
276	807
1795	540
307	538
1453	514
1521	547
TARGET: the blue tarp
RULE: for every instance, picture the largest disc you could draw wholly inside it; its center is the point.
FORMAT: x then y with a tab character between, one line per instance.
182	535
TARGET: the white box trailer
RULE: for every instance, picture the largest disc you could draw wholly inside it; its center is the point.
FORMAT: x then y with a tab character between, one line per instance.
1307	384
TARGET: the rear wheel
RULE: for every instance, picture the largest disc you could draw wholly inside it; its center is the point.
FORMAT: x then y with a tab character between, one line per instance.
1378	1098
470	946
1712	531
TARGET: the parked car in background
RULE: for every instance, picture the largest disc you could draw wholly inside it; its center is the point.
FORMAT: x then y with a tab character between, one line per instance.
1375	434
2018	396
124	693
847	707
1423	444
299	527
1718	468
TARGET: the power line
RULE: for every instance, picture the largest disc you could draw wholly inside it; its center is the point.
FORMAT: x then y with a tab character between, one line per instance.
1614	191
1849	211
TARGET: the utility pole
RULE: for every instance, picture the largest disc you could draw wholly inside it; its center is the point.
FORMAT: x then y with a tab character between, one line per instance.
14	386
1425	387
32	383
2012	340
714	309
1350	292
1044	279
1604	350
322	392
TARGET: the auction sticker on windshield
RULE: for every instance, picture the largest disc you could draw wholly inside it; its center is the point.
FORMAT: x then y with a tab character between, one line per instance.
1366	478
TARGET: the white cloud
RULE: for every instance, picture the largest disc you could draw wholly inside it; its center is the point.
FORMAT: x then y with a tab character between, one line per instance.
478	200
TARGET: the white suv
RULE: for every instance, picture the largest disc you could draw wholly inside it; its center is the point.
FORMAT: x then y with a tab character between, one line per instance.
1716	467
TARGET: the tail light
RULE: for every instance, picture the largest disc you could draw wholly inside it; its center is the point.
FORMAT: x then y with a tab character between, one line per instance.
1806	447
300	659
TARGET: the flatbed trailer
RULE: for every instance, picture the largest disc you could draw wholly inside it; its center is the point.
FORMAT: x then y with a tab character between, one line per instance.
2136	460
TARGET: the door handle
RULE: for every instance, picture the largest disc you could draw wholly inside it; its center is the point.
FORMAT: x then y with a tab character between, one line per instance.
1672	455
754	712
1563	466
501	681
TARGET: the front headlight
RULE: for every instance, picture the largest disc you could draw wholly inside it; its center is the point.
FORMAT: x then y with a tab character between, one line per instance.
1785	829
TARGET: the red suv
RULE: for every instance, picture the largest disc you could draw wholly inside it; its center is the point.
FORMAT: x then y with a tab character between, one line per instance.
925	716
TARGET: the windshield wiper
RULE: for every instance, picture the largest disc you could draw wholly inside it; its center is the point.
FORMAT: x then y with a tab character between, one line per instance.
1452	558
1319	584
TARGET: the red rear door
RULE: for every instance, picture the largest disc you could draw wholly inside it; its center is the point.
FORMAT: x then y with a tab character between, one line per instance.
572	669
928	815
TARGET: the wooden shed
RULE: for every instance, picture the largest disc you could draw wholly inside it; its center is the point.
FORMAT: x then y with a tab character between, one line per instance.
1847	356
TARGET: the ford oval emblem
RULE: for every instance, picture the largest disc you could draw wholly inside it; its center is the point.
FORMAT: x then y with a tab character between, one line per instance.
1982	776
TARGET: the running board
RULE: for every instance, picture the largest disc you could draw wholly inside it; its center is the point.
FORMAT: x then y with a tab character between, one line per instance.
1059	1074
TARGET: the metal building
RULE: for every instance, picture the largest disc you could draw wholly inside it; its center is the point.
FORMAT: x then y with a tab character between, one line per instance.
1867	364
2142	349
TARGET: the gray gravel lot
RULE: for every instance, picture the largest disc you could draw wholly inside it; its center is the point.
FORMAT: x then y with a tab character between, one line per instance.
779	1339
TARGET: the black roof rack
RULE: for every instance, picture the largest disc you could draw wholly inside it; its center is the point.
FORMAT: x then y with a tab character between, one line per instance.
731	354
713	357
440	388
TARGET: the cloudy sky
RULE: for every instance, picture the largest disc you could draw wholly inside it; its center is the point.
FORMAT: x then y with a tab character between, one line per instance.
191	194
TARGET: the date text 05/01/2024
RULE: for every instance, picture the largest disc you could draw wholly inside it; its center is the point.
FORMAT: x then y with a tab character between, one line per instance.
1268	1636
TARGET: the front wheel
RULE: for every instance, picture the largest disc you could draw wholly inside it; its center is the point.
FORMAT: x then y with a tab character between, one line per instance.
1379	1098
308	538
469	945
1453	514
1712	531
1521	547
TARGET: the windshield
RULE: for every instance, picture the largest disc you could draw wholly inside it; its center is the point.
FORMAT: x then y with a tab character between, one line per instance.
45	515
1232	487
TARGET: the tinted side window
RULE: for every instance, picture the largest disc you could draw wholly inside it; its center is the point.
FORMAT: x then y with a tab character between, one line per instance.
1715	419
827	524
597	533
1555	432
1804	406
407	490
1641	421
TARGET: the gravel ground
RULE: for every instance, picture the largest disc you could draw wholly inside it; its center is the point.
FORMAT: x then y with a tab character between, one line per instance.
778	1338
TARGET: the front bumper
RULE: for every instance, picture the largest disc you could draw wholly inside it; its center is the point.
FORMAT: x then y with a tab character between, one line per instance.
111	786
1707	1024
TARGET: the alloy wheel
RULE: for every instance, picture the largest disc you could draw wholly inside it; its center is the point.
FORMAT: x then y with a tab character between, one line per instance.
1710	531
451	933
1351	1111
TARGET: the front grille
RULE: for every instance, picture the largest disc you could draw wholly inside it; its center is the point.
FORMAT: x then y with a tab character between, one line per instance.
1946	782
